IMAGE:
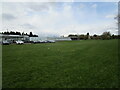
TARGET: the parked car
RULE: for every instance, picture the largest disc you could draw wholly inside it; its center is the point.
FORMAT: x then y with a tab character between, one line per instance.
19	42
42	41
36	42
5	42
51	41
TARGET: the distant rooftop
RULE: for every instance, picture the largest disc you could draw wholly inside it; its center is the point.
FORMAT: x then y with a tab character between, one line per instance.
3	35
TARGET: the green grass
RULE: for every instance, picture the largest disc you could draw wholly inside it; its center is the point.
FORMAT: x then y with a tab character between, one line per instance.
70	64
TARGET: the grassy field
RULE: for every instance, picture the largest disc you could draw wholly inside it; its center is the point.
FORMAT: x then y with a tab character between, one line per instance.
70	64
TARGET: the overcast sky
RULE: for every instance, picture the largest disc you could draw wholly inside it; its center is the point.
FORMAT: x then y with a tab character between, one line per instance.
60	18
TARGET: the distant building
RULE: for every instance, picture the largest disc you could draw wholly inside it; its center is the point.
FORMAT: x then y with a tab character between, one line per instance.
25	38
34	38
74	37
13	38
59	38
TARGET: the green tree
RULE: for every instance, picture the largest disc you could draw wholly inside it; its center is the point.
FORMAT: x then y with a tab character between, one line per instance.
88	36
31	34
106	35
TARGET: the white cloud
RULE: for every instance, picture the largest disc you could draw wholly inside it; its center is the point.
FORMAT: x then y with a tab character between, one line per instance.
29	14
94	6
110	16
82	6
45	19
59	0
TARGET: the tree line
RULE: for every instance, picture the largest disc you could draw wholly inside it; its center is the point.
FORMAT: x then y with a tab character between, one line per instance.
19	33
104	36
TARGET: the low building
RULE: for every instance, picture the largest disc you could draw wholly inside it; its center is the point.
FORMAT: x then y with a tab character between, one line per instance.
74	37
34	38
13	38
59	38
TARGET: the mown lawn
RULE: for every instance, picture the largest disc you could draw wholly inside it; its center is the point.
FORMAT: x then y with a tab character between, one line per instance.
70	64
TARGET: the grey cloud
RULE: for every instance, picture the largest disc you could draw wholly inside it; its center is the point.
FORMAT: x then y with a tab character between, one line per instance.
38	6
7	16
41	6
28	26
